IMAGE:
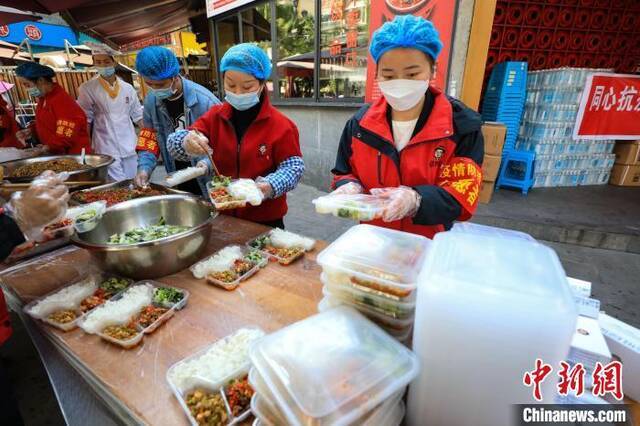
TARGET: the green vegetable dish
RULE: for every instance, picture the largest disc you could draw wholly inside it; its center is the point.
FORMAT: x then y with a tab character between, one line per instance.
260	242
220	182
167	296
254	256
147	233
88	215
114	285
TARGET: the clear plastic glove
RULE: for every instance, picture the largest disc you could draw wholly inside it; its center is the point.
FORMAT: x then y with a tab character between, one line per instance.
265	187
196	144
403	202
45	202
348	188
142	179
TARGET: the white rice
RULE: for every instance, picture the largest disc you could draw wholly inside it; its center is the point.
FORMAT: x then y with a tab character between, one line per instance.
285	239
222	359
67	298
219	262
246	189
118	312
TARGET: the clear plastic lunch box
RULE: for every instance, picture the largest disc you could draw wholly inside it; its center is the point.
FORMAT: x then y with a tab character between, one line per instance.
281	260
362	207
398	329
332	368
135	340
235	204
232	285
371	300
98	278
263	407
87	225
205	383
380	259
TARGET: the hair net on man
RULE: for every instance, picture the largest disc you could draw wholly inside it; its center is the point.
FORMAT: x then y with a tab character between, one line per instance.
406	31
157	63
247	58
33	71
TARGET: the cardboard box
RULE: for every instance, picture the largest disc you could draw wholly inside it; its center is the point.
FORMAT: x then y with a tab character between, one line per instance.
588	347
494	134
624	343
627	153
622	175
486	191
490	167
580	287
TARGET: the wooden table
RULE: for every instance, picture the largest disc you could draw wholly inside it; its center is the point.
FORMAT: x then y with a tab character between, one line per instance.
134	380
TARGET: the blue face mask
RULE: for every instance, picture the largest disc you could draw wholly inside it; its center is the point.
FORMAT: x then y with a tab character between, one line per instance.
243	102
106	71
164	93
34	91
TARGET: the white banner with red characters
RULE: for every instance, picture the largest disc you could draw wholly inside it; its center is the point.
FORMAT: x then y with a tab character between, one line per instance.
610	108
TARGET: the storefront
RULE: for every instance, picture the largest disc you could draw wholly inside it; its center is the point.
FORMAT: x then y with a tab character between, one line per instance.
41	37
321	69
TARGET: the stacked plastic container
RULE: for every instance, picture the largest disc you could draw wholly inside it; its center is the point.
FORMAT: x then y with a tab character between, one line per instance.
335	368
553	98
375	270
505	97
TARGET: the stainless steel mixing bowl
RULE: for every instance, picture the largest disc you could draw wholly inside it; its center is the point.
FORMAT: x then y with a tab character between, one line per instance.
154	258
97	172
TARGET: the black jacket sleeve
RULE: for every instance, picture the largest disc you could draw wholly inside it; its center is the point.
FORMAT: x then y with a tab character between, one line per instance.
437	205
10	236
342	171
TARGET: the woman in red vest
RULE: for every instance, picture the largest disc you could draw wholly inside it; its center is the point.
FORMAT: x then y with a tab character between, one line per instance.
249	138
60	123
415	145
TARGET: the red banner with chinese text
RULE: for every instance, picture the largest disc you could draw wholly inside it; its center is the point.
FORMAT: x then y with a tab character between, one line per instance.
609	108
440	12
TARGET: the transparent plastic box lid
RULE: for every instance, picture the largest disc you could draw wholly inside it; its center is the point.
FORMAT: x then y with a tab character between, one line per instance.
507	268
333	367
490	231
363	207
390	257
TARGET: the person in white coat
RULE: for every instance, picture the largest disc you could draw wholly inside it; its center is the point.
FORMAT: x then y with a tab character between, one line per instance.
112	108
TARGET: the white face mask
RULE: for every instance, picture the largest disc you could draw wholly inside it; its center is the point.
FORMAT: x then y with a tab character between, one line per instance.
403	94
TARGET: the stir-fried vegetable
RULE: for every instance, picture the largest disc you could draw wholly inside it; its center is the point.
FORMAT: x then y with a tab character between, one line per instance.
207	408
147	233
120	332
220	181
98	298
167	295
239	393
254	256
149	315
87	215
260	242
63	317
114	195
114	285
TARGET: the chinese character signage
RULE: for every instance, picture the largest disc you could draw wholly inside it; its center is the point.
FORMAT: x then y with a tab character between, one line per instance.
609	108
38	34
440	12
216	7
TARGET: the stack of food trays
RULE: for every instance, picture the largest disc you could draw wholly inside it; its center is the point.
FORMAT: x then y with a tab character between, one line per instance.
212	386
360	207
282	246
139	310
228	267
375	270
335	368
64	308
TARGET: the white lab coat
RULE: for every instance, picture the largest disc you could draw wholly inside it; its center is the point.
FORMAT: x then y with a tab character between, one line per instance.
113	131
